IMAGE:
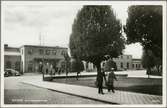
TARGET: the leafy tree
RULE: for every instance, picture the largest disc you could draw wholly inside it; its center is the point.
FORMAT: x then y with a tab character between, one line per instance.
67	62
146	58
96	33
77	66
110	64
144	25
149	60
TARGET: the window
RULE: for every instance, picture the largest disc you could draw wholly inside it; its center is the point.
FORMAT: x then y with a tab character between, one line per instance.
121	65
54	52
30	66
62	53
30	51
47	52
127	65
136	65
127	57
41	51
133	66
8	64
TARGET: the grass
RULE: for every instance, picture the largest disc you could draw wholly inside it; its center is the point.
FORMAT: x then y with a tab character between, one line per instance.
140	85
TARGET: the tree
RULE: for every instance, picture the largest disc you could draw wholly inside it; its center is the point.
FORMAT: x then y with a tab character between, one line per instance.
144	25
96	33
67	62
110	64
149	60
77	66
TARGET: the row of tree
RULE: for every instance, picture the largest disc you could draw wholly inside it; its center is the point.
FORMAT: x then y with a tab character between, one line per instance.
144	25
97	34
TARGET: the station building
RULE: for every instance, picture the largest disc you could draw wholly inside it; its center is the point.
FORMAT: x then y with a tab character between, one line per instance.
32	58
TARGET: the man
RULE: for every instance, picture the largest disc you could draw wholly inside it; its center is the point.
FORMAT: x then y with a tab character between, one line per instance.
100	81
111	78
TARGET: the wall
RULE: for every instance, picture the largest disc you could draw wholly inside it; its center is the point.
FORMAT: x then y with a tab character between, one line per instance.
50	55
123	59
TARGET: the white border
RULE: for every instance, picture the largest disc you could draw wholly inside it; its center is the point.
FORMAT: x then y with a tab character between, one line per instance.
163	3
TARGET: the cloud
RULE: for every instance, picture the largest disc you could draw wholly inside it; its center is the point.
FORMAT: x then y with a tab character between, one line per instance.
37	16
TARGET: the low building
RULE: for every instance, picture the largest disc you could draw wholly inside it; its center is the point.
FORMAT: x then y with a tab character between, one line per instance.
136	64
12	58
123	62
34	58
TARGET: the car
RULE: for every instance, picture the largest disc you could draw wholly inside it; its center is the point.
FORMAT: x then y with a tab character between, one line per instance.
6	73
11	72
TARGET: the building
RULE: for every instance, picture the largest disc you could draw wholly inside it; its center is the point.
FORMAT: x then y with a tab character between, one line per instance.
123	62
34	58
136	64
12	58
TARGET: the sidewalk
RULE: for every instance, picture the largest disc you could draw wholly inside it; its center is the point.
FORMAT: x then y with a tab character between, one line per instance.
119	97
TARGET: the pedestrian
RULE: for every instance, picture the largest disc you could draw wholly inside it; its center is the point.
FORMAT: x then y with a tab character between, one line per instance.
111	78
100	77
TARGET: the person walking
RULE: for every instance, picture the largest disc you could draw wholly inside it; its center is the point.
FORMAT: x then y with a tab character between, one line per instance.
100	77
111	78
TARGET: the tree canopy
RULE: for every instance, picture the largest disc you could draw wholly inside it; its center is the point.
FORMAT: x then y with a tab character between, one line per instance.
148	59
96	33
77	65
110	64
144	25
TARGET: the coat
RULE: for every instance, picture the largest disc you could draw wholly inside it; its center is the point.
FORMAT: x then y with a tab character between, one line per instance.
100	77
111	78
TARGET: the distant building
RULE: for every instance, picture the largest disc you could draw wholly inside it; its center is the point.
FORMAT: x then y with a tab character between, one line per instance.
136	64
123	62
33	58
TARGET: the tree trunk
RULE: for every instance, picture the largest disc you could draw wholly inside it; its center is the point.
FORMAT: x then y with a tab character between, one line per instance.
98	66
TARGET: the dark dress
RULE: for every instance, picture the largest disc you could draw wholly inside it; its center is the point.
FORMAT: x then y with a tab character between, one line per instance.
100	82
110	84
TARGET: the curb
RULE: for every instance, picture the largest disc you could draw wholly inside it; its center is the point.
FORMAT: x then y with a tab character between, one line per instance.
80	76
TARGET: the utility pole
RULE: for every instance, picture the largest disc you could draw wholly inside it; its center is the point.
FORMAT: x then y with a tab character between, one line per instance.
40	39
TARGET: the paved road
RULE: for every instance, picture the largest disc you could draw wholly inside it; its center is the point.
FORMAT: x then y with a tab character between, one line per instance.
20	93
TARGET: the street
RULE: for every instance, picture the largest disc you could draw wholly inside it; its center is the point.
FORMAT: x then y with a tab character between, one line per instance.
20	93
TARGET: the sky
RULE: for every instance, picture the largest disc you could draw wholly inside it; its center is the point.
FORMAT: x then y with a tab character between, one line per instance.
23	24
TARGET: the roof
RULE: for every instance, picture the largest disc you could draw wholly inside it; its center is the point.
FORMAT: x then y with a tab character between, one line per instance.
12	49
136	59
42	46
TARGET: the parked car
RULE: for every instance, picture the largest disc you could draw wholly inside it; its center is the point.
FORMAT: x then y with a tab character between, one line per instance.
11	72
6	73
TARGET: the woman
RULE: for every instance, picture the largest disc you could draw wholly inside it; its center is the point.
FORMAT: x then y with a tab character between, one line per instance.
111	78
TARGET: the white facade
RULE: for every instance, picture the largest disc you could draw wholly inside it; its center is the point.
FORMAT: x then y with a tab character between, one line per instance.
123	62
